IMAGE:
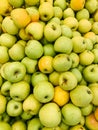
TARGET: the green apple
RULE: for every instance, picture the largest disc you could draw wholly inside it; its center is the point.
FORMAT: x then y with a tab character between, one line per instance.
9	26
38	77
1	80
5	126
31	105
4	56
95	52
50	114
82	14
86	57
68	12
14	71
14	108
22	42
77	127
44	91
83	82
62	4
71	114
95	27
5	88
34	49
1	18
51	1
95	16
62	62
15	3
55	19
77	97
52	31
32	3
7	40
17	52
90	73
51	128
63	44
26	116
84	26
5	117
3	103
34	124
78	44
89	44
19	91
19	124
46	11
58	12
64	126
35	30
30	64
76	33
67	80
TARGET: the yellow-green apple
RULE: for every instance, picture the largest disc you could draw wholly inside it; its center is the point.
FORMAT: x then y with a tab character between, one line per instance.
5	126
38	77
22	42
19	124
34	124
14	108
50	114
52	31
17	52
62	4
63	44
32	3
7	40
95	52
87	110
83	82
58	12
9	26
34	49
5	88
5	117
64	126
3	103
31	105
51	1
95	16
89	44
1	18
15	3
14	71
20	17
86	57
46	11
4	56
51	128
77	97
78	44
77	127
62	62
75	59
76	33
44	91
84	26
1	80
66	31
71	22
71	114
95	27
30	64
35	30
68	12
67	80
26	116
55	19
89	7
19	91
90	73
82	14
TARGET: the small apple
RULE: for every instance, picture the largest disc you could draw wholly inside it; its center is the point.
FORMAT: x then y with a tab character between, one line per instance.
68	12
89	44
77	127
50	114
26	116
58	12
62	4
76	33
51	1
1	80
5	88
15	3
95	52
3	103
19	124
14	108
95	27
19	91
95	16
67	80
64	126
32	3
5	117
5	126
55	19
51	128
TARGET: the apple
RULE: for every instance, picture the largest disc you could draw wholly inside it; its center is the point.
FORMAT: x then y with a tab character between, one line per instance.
46	11
34	124
15	3
9	26
42	1
4	56
14	71
95	52
34	49
32	3
14	108
95	16
52	31
1	80
46	95
51	128
22	42
55	19
19	124
30	64
89	44
3	103
5	88
62	4
63	126
7	40
62	62
26	116
77	127
76	33
71	114
17	52
68	12
38	77
5	126
67	80
31	105
19	91
77	97
58	12
50	114
5	117
35	30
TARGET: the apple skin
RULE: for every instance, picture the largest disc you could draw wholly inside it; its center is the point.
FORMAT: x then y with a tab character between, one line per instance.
95	52
19	124
62	4
5	126
5	88
58	12
26	116
68	12
32	3
79	126
3	103
15	3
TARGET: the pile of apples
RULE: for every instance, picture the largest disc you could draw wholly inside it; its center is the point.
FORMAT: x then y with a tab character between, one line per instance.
46	44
